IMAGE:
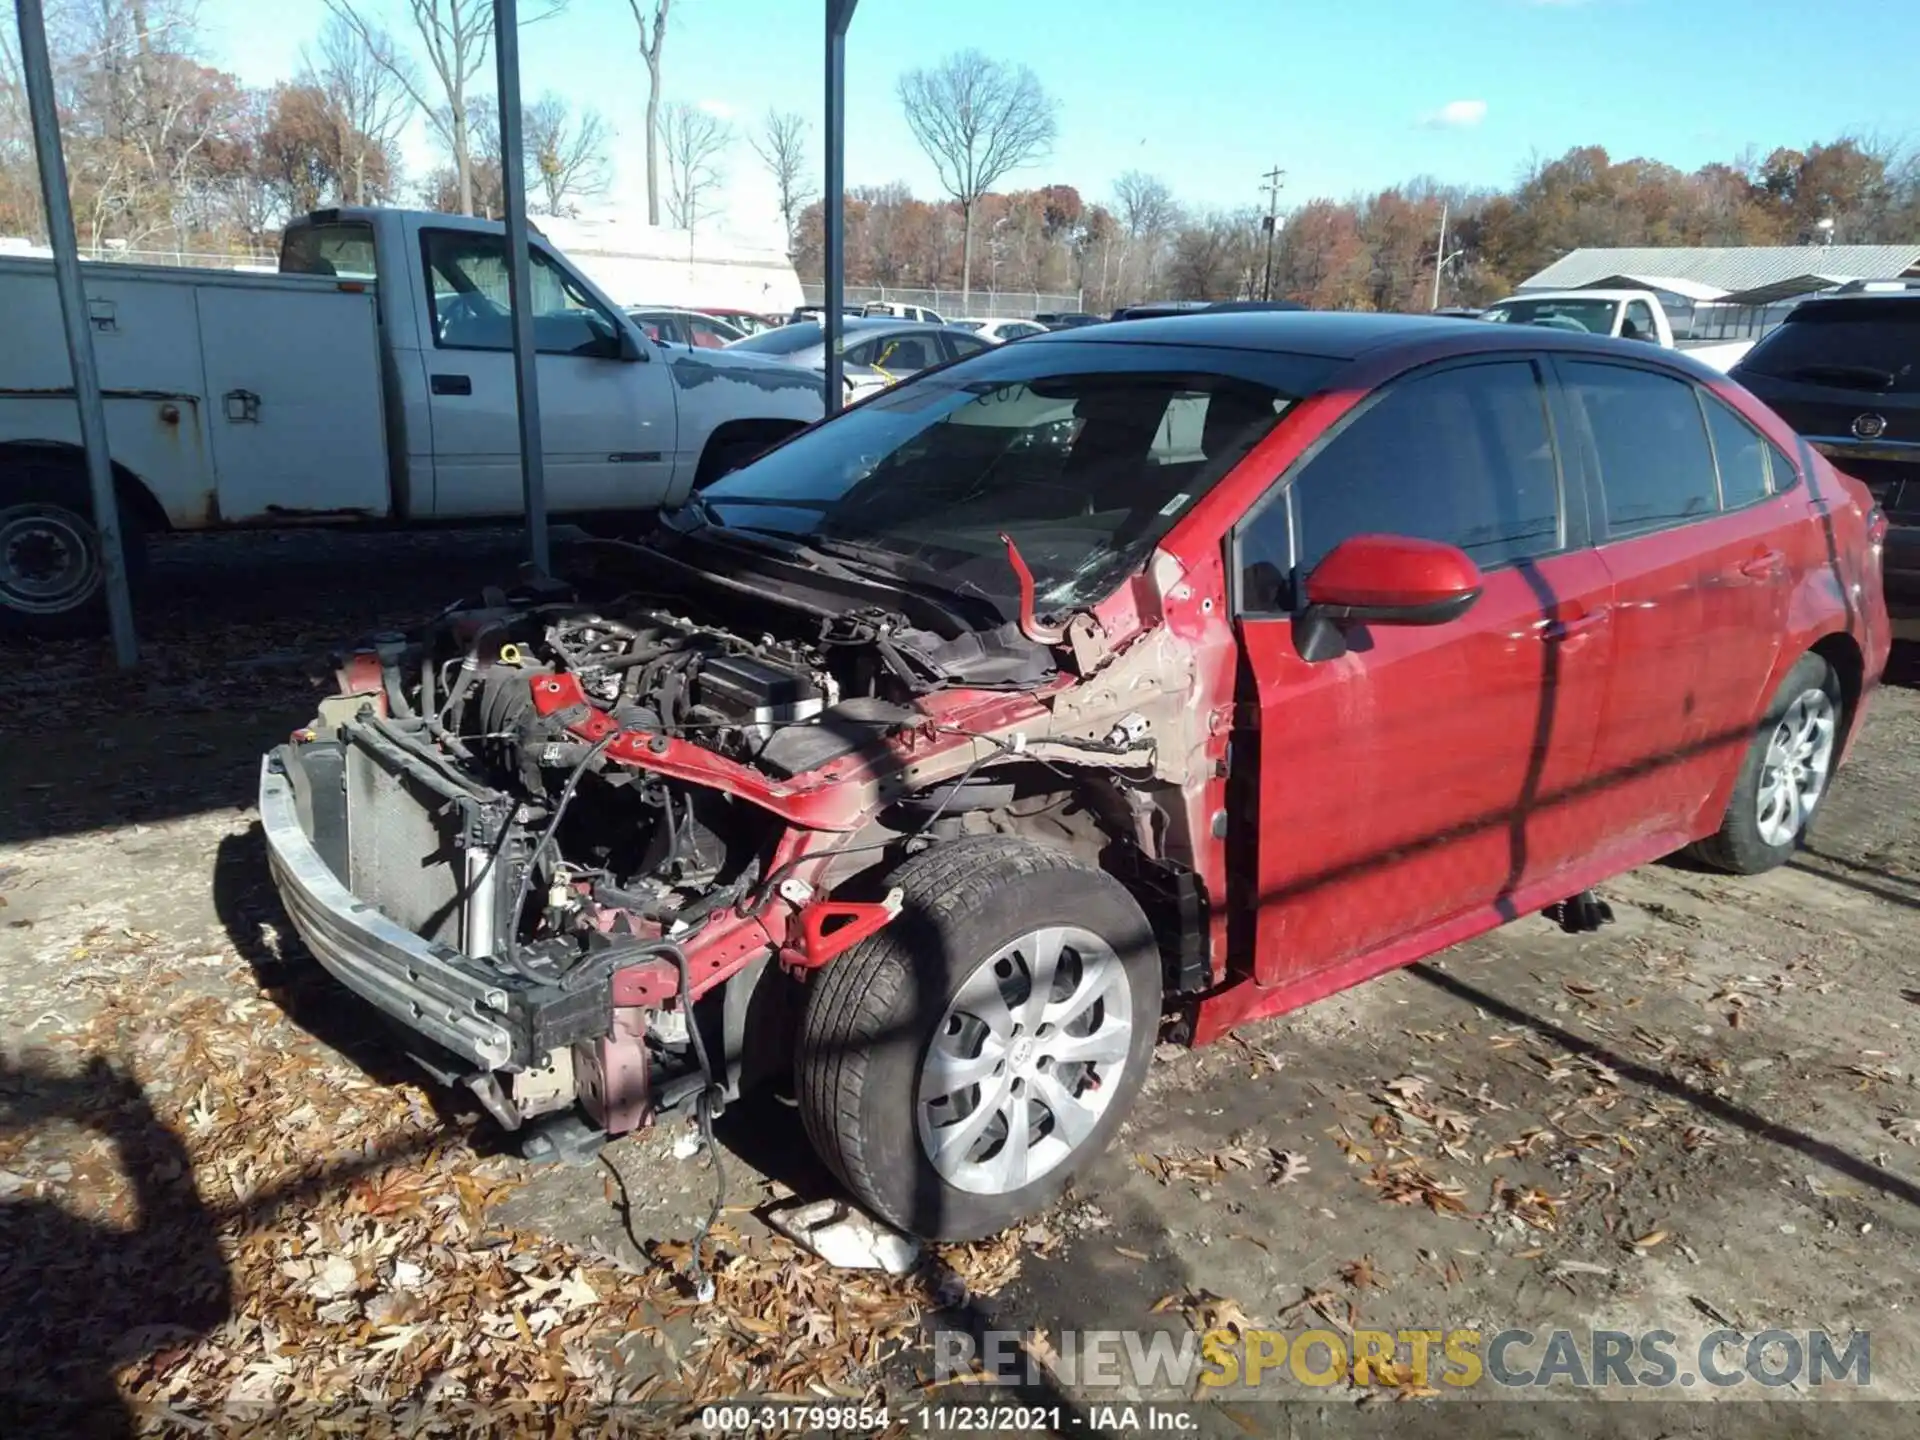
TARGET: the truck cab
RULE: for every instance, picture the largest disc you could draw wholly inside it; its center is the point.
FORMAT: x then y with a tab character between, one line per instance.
1623	314
370	381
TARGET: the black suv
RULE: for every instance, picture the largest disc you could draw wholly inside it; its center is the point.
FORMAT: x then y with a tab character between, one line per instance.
1845	372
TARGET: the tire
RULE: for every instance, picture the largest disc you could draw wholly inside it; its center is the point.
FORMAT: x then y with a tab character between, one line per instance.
52	570
872	1019
1757	833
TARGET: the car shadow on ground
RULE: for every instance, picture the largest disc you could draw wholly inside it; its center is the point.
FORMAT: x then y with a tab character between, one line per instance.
1865	1172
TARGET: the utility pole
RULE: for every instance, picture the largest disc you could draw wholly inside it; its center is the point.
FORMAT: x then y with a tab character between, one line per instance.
1272	222
1441	259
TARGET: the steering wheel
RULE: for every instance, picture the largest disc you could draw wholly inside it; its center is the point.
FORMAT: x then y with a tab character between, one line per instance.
467	308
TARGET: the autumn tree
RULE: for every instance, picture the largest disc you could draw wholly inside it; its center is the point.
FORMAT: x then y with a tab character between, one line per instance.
695	144
977	119
367	106
781	145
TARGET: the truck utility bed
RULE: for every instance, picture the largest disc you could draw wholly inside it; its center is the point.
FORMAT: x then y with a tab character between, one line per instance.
234	394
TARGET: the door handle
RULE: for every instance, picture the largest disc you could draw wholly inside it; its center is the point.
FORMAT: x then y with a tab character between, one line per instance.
452	384
1572	625
1767	565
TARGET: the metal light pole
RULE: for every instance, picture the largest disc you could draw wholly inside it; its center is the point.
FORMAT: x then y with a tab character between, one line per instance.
834	200
526	372
73	310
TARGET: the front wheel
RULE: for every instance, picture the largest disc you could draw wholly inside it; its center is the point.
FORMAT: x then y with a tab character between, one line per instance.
1783	776
958	1068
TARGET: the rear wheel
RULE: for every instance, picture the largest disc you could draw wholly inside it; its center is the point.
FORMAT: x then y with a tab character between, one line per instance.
1784	774
52	566
957	1069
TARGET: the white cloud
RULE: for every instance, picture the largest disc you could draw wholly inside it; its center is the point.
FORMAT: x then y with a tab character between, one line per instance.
719	109
1456	115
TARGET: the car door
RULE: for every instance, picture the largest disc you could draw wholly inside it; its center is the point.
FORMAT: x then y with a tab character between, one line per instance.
1419	776
607	423
1699	596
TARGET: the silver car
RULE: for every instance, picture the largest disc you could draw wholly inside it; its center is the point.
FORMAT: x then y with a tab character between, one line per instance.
878	352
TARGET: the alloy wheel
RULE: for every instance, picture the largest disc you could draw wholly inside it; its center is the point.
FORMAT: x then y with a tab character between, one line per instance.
1025	1061
1793	775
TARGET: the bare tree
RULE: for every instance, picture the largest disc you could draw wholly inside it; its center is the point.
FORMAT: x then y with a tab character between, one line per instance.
1145	204
368	105
456	34
652	41
566	154
977	119
782	148
695	142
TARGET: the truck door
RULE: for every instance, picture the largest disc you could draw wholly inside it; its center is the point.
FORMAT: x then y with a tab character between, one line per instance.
294	400
607	423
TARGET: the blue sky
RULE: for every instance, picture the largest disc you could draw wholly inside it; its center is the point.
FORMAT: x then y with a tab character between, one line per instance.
1209	94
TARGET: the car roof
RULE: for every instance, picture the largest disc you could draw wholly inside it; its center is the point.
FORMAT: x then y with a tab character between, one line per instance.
1342	335
1860	305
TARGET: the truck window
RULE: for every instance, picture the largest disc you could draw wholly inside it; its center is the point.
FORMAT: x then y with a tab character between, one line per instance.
1640	324
344	248
467	288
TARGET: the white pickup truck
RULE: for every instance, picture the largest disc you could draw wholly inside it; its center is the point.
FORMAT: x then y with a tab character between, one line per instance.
1623	314
371	380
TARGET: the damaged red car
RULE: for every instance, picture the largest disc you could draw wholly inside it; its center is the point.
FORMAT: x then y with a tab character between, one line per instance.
1128	682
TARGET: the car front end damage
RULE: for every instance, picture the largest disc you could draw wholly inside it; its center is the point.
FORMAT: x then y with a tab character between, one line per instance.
589	853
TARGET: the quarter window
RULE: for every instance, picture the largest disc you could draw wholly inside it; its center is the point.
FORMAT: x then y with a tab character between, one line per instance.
1741	453
1463	455
1656	468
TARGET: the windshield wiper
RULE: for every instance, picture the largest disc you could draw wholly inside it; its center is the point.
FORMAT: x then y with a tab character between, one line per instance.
1848	377
904	569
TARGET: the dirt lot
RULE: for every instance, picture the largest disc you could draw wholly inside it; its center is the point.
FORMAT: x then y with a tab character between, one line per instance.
219	1189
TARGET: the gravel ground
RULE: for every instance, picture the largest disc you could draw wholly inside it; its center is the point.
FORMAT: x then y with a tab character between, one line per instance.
219	1187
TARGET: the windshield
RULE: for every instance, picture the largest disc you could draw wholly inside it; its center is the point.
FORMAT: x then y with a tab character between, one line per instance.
1593	316
1086	453
1867	345
784	340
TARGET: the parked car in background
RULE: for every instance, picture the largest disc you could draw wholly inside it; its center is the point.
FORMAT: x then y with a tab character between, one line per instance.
901	312
1066	319
370	381
1623	314
1000	331
747	322
877	353
1845	373
1164	309
694	328
815	312
934	756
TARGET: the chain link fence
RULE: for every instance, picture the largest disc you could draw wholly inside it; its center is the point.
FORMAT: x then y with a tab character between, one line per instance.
242	259
951	304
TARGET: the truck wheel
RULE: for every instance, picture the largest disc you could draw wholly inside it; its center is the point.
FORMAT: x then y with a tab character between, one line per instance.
52	575
1783	776
956	1069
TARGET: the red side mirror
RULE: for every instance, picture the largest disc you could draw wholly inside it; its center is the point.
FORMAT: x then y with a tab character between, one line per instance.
1394	580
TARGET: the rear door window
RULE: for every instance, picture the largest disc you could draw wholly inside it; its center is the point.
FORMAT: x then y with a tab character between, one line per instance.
1741	453
1650	441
